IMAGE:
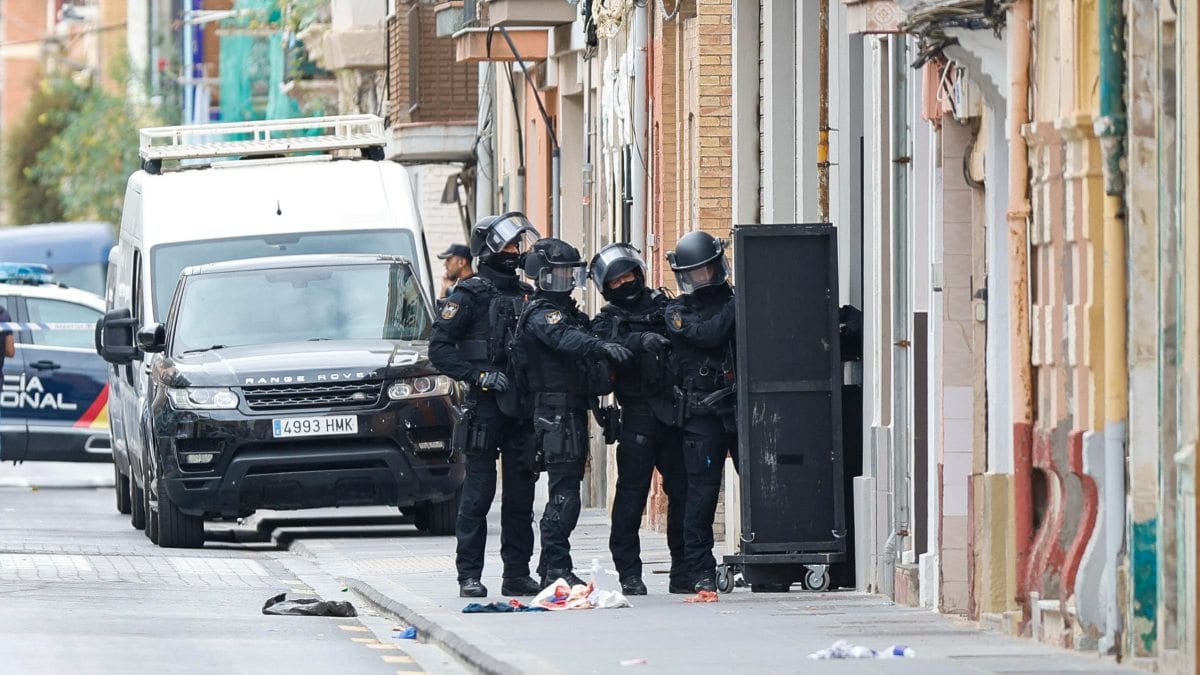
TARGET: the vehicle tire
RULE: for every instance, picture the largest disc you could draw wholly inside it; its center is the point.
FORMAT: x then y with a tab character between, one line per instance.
438	518
175	528
137	505
121	487
151	520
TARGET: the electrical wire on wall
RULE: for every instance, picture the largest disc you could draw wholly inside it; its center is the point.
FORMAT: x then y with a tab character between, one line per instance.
669	15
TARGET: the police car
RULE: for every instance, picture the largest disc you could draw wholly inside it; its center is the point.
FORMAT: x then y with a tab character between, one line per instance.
54	404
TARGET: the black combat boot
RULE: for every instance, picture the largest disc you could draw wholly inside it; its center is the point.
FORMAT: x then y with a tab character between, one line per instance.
472	588
707	582
681	586
633	585
566	575
519	587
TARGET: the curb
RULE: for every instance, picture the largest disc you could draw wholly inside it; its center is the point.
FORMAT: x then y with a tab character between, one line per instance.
448	640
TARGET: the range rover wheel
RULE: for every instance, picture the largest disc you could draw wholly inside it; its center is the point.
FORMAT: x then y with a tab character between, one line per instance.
175	528
438	518
137	505
121	487
151	519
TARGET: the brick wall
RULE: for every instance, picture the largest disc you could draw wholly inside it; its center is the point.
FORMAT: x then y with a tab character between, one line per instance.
22	24
692	96
447	90
691	103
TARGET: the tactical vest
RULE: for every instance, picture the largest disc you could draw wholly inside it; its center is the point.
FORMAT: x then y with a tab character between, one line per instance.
698	369
648	375
541	370
487	342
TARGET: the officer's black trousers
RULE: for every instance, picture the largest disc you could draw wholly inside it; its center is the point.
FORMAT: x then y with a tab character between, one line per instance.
705	444
513	439
561	435
644	444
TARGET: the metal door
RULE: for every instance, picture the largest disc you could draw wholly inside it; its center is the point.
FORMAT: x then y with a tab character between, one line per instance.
789	383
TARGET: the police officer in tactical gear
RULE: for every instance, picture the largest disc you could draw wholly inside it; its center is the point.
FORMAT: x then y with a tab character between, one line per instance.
647	436
566	367
700	323
468	343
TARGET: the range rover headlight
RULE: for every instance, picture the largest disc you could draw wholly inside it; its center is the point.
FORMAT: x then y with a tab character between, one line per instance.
420	387
202	398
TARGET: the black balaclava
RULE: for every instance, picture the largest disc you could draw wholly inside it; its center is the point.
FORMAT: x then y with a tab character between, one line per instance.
628	293
504	261
504	279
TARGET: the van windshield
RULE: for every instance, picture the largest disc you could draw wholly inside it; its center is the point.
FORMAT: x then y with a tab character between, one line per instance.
169	260
294	304
87	276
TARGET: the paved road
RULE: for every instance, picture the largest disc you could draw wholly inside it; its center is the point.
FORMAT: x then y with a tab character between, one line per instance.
82	591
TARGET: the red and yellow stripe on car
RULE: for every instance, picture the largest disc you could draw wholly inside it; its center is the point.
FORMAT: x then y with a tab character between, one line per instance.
96	416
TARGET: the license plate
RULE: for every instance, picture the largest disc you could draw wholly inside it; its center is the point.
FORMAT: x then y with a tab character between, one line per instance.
315	426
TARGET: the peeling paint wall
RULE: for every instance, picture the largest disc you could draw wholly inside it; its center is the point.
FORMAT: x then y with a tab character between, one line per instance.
1145	419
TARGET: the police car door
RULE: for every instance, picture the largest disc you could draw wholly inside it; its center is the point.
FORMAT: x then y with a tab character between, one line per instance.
12	418
64	389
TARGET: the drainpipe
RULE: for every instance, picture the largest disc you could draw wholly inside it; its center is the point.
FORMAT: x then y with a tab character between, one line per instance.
1019	18
823	111
588	173
901	161
637	227
485	188
1110	128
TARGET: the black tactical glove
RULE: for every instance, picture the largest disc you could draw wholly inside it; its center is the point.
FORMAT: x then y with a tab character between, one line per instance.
653	342
730	308
492	380
615	352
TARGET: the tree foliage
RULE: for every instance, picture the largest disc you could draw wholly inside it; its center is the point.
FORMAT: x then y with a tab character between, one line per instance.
90	159
30	199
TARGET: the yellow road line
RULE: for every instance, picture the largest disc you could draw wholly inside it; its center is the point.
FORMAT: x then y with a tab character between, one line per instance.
355	629
365	641
397	658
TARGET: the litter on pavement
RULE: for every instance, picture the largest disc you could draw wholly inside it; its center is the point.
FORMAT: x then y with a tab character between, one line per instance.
282	605
634	662
500	608
844	650
561	595
409	633
703	596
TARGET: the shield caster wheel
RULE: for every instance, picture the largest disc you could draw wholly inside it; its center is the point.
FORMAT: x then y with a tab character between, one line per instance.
724	579
817	579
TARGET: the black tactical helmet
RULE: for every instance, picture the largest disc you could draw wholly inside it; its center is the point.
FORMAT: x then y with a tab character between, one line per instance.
698	261
554	265
492	233
613	262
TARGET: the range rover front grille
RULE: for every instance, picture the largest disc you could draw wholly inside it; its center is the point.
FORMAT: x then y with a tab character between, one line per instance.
322	395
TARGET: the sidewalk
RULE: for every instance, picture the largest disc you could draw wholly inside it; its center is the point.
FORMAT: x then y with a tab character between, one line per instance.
414	578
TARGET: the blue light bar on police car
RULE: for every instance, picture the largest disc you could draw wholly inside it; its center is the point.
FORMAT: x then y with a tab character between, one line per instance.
26	273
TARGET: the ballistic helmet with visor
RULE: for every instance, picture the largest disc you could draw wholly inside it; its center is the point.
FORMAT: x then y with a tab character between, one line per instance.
493	233
698	261
613	262
555	266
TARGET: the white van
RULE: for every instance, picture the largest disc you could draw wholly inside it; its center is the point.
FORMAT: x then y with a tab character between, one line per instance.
236	199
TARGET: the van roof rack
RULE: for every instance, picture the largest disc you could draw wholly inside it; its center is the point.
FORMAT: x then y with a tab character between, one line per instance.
265	137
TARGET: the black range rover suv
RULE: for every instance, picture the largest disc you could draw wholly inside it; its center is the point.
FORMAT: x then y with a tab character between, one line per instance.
290	383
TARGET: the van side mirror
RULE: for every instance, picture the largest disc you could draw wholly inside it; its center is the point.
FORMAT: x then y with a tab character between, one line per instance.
114	337
152	338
